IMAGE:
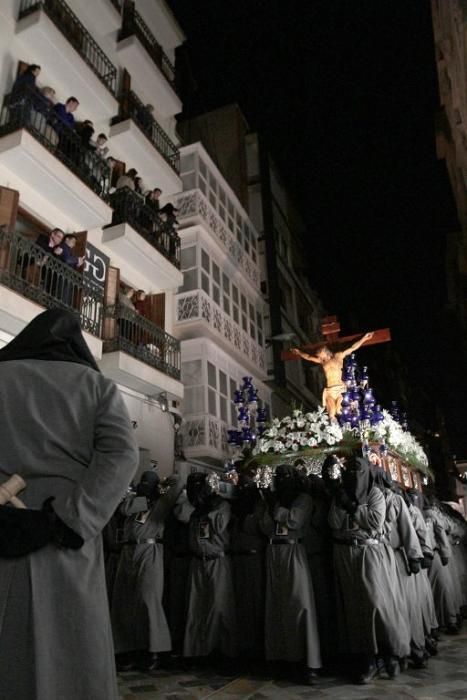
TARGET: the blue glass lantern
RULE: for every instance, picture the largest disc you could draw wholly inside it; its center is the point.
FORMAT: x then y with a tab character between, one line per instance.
376	415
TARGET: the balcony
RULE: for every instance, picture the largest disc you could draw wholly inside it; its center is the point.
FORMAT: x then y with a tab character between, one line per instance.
50	27
40	151
140	239
196	314
131	131
205	437
141	53
194	208
26	269
139	354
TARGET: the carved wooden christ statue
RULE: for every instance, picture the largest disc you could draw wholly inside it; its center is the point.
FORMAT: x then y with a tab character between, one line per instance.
333	362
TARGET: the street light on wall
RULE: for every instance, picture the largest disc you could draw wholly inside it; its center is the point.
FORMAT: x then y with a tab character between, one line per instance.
163	401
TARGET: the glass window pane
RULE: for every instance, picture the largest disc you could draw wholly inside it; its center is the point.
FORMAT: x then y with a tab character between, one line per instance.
223	409
187	162
252	330
192	372
193	400
226	304
204	260
223	382
226	283
190	280
235	314
202	168
243	303
189	181
244	323
202	185
233	387
216	273
259	319
235	294
212	403
205	283
216	295
212	375
252	312
188	257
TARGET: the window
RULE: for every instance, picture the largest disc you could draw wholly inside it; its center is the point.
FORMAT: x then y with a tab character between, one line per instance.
205	263
212	380
190	280
188	257
233	408
205	286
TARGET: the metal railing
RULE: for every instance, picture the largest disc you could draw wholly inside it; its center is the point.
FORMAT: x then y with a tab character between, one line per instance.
28	269
28	109
141	338
130	207
133	23
68	23
131	107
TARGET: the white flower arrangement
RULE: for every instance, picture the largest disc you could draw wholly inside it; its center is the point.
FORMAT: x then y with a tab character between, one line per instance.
400	440
299	431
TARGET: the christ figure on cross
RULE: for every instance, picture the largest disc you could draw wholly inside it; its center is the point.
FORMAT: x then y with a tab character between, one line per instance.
332	364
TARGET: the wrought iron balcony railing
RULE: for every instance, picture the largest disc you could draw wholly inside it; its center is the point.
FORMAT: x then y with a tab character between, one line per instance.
131	107
28	109
130	207
78	36
28	269
130	332
133	23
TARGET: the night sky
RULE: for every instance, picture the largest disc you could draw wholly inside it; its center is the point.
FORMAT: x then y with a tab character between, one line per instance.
345	93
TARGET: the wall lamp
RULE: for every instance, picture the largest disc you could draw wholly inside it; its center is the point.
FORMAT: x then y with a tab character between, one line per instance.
163	401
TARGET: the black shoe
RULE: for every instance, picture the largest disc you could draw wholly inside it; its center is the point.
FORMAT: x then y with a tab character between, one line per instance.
125	662
367	676
148	662
391	664
403	664
310	676
431	645
435	634
418	662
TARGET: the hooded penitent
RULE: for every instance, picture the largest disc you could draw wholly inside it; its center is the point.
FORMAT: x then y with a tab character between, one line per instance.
357	480
148	485
53	335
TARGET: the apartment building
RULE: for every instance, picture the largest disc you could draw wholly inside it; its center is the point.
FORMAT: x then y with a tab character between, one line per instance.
117	58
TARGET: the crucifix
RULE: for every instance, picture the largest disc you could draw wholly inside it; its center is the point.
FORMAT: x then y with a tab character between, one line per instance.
330	356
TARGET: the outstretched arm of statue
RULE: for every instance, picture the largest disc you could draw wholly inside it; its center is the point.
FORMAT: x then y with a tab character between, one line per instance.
305	355
357	345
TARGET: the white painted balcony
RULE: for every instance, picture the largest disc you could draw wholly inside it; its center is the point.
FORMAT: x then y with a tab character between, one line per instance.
139	376
74	63
130	145
196	314
53	184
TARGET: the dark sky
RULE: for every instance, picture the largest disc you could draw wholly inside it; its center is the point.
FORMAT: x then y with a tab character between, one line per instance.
345	92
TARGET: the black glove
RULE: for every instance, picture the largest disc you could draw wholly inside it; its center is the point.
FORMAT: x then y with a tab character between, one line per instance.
343	501
414	565
444	561
426	561
24	530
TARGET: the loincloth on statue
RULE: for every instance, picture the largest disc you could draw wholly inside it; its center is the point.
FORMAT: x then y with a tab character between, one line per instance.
334	392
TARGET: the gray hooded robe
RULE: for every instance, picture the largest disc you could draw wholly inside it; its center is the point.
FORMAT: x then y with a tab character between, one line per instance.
66	431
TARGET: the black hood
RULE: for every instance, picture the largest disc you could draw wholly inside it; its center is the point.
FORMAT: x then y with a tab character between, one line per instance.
357	479
381	478
148	485
53	335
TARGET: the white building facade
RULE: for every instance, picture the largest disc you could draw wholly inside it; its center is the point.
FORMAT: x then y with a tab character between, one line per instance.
219	309
115	57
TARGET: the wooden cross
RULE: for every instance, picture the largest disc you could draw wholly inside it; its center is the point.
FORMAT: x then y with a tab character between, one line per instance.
330	329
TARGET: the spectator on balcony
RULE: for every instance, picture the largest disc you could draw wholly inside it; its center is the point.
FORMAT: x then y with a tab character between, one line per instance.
139	187
50	242
101	145
127	180
139	302
125	322
64	113
153	198
66	254
144	116
168	210
49	95
86	131
27	79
